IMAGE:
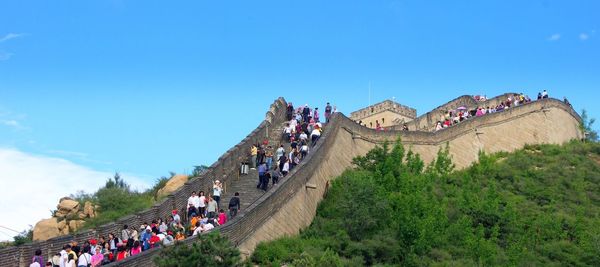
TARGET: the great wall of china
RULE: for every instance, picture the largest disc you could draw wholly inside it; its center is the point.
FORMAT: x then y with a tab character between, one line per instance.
291	206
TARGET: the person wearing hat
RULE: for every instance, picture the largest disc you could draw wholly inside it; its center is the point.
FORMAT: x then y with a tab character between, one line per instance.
146	238
176	217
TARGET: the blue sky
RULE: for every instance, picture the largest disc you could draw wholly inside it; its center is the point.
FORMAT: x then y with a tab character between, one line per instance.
148	87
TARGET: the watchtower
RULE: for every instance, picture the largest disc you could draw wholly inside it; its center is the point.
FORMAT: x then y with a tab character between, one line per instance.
388	113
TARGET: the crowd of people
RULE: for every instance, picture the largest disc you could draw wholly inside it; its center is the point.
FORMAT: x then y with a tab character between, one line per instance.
132	241
204	212
461	114
301	131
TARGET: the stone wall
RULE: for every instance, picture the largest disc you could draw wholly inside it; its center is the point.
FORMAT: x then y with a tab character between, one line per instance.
291	206
373	112
427	121
226	167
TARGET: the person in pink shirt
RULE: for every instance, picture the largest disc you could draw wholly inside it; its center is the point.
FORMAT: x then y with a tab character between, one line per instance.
222	217
137	248
98	257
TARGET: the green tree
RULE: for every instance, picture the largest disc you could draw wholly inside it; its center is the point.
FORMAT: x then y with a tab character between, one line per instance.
586	127
209	250
24	237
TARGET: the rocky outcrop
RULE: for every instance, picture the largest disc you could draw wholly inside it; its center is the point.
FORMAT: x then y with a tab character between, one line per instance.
67	207
75	225
172	185
88	210
46	229
68	218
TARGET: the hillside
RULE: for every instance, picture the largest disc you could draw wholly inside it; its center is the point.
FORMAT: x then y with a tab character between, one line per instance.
536	206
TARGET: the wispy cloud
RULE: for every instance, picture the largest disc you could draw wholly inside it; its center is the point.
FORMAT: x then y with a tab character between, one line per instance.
584	36
79	156
554	37
68	153
9	119
5	56
10	123
14	124
33	184
11	36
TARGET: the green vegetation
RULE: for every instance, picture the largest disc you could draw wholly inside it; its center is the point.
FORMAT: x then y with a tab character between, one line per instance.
586	127
20	239
116	199
210	250
537	206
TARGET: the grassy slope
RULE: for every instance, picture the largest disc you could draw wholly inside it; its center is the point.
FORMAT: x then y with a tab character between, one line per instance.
536	206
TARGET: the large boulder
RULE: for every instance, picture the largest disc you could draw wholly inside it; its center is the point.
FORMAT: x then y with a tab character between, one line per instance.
45	229
62	225
75	225
67	207
88	210
172	185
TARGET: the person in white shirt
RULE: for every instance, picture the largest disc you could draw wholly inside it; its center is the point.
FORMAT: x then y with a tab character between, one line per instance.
286	167
303	136
198	229
287	132
293	123
545	94
304	150
64	255
217	190
279	153
193	201
202	201
85	258
316	133
207	227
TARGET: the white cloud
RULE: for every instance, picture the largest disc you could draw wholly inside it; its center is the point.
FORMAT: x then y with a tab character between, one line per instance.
554	37
583	36
33	184
11	123
11	36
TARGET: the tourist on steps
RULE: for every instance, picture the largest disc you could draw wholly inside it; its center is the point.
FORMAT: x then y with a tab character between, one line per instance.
234	205
217	190
327	112
253	154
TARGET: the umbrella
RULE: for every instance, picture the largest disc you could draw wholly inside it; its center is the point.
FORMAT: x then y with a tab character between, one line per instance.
461	108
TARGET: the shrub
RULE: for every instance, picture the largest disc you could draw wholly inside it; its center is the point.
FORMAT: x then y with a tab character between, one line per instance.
536	206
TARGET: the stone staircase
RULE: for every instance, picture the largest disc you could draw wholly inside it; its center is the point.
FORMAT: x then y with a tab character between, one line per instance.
246	184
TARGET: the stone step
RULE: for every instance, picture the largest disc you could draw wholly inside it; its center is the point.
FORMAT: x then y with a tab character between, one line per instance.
246	184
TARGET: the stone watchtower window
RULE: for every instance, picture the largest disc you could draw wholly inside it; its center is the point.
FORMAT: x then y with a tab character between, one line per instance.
382	120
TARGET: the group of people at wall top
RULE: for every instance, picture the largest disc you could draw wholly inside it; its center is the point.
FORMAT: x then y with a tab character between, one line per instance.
461	114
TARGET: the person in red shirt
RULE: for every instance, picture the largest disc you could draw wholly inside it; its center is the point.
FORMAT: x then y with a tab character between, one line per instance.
122	253
154	240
